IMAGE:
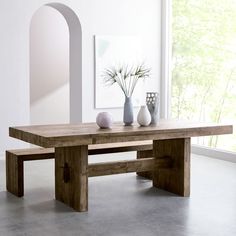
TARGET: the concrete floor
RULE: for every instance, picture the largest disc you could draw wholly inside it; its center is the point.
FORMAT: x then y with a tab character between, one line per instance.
124	204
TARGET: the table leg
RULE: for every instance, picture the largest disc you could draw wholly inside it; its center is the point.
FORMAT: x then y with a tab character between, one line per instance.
177	178
71	176
145	154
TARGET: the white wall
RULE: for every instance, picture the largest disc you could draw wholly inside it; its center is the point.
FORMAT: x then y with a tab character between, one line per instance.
103	17
130	17
49	67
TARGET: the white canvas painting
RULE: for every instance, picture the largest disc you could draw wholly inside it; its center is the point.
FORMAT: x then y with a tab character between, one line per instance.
115	51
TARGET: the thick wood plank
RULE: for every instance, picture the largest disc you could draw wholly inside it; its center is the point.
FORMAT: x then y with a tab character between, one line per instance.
177	178
120	147
48	153
14	175
89	133
120	167
31	154
31	151
71	176
121	144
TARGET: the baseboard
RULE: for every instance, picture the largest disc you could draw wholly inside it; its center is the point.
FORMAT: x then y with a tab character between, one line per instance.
214	153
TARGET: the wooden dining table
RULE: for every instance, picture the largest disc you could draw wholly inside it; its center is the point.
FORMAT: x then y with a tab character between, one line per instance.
170	162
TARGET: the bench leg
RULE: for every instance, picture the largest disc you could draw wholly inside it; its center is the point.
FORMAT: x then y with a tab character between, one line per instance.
71	176
14	175
145	154
177	178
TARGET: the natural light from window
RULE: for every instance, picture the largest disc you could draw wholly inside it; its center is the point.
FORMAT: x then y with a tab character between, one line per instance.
204	65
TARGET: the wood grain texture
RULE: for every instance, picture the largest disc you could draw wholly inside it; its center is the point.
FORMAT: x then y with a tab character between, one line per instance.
145	154
30	154
171	141
14	174
120	167
89	133
120	147
15	159
177	178
75	192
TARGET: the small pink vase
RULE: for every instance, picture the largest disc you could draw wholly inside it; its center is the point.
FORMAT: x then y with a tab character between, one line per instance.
104	120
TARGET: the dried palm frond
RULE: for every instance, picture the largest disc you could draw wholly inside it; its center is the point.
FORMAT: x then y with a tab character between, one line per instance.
126	77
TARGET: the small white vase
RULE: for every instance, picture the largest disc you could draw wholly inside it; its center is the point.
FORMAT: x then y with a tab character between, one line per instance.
144	117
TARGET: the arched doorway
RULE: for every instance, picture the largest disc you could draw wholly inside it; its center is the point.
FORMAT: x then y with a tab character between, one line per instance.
55	65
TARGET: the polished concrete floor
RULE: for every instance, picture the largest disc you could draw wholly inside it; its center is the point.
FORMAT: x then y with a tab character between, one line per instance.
124	204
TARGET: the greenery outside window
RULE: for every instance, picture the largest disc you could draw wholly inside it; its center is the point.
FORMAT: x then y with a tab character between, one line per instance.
203	71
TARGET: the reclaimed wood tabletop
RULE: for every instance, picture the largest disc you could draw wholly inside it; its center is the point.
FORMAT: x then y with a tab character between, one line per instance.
89	133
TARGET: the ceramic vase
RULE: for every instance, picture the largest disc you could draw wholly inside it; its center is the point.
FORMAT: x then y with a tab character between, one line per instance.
128	117
152	101
104	120
144	117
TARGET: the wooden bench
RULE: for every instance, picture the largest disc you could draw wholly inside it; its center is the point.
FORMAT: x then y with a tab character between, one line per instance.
15	160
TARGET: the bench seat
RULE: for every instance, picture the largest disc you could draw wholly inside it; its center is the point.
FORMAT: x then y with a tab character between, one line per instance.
15	159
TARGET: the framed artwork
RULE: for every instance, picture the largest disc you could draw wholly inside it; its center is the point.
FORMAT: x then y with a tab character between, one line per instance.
116	51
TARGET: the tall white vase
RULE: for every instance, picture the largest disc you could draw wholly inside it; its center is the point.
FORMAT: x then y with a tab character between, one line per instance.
144	117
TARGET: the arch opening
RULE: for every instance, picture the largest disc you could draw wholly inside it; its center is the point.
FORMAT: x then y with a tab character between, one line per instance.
55	65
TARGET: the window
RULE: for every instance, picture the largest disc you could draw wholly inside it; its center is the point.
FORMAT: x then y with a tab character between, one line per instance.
203	71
